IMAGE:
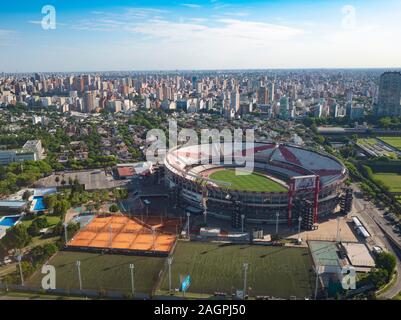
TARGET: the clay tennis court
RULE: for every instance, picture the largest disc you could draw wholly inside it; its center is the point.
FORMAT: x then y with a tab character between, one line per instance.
128	234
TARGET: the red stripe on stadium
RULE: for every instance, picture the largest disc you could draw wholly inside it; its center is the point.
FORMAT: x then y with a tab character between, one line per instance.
258	149
289	156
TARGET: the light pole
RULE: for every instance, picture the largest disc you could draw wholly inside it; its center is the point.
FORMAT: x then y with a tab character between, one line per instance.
317	280
169	261
65	232
277	216
188	215
110	236
338	230
132	267
299	228
153	236
19	258
245	266
242	222
79	274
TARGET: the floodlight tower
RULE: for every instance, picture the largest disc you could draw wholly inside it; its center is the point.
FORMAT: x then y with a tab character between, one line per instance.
299	229
132	268
19	258
78	264
245	268
169	261
65	224
188	216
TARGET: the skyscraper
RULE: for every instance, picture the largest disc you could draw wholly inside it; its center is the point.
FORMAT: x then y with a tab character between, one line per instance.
263	95
389	95
88	101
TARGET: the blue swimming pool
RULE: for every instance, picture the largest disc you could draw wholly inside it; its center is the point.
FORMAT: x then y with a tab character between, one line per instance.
39	205
8	221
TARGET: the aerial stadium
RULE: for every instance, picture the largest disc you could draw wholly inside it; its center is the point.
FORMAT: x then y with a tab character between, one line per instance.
287	181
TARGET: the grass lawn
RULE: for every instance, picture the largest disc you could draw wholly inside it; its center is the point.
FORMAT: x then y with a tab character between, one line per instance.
51	220
109	272
368	141
275	271
392	180
251	182
392	141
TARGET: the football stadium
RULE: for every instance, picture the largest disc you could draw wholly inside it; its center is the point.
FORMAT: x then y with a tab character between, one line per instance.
286	181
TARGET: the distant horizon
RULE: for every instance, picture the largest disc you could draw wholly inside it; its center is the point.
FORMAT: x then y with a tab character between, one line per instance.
396	69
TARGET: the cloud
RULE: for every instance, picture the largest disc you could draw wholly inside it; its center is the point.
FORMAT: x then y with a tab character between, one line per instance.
35	21
221	30
191	5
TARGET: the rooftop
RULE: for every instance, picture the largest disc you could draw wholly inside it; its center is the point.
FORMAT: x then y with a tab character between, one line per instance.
12	203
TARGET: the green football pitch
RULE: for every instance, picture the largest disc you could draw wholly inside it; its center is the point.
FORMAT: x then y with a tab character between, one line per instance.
391	180
103	271
248	182
213	267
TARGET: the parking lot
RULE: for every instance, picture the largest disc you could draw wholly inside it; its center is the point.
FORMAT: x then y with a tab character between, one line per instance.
92	179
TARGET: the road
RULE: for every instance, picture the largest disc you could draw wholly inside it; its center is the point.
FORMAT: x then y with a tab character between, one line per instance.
376	223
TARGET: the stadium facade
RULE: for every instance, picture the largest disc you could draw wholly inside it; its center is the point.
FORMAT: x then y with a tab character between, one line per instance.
314	182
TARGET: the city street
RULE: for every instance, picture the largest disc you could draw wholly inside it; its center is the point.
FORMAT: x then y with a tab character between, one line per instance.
373	219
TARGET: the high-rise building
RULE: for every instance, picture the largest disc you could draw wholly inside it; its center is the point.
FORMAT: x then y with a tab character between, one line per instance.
235	100
89	101
389	95
263	95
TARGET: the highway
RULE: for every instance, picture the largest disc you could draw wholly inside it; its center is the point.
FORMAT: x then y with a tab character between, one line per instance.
374	220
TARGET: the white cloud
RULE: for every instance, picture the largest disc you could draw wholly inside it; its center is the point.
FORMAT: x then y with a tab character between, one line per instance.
222	30
191	5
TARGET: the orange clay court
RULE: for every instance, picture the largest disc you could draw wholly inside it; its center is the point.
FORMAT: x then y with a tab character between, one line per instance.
128	234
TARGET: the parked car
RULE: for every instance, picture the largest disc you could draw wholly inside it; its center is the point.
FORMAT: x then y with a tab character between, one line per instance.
377	250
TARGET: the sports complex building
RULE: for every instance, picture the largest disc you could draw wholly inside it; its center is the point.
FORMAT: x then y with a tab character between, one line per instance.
287	181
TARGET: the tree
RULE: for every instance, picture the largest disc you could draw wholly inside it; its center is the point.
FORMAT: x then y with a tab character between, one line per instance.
49	201
16	237
378	277
41	222
386	261
34	229
97	206
57	180
114	208
27	194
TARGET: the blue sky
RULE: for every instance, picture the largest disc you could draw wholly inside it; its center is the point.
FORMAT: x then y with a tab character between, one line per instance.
188	34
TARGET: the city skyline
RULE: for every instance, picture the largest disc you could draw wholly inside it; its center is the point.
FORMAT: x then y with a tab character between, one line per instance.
200	35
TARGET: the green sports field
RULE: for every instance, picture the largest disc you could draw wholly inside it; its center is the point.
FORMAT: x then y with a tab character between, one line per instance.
108	272
391	180
249	182
392	141
213	267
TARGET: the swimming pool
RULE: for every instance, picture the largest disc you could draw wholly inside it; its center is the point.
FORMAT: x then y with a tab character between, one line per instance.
8	221
39	204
